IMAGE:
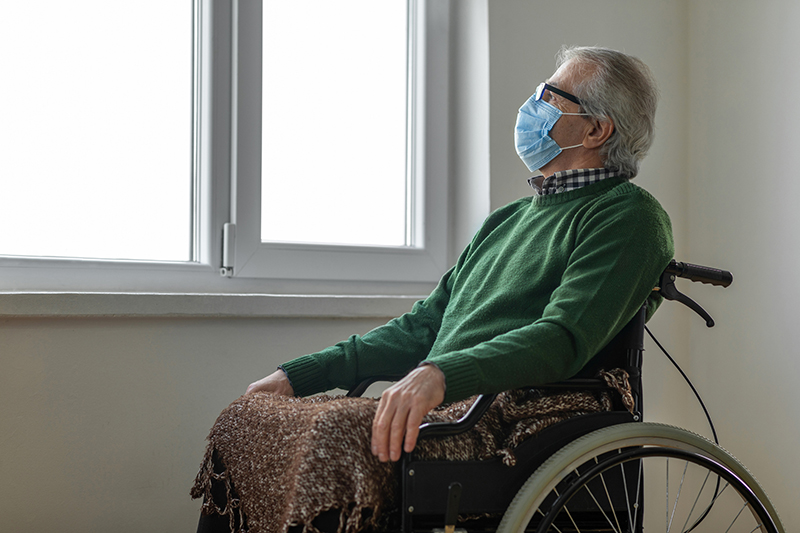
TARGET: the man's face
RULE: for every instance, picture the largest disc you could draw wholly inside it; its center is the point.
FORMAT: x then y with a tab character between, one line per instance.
569	130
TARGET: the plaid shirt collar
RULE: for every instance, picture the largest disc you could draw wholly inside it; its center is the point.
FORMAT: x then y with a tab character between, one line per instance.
569	180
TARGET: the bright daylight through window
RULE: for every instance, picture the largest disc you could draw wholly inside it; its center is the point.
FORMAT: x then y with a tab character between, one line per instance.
96	129
334	122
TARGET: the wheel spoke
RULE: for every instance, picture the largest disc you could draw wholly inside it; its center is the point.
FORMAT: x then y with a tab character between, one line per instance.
600	508
628	500
735	518
639	492
697	499
667	497
568	515
710	505
677	496
610	502
553	525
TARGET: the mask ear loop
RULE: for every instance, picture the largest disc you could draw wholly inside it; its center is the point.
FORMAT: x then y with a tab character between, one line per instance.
575	115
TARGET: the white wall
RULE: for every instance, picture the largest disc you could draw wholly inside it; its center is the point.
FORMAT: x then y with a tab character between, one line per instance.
742	214
103	419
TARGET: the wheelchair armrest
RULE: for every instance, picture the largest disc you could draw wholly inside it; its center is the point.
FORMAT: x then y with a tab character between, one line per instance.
435	429
359	389
482	403
465	423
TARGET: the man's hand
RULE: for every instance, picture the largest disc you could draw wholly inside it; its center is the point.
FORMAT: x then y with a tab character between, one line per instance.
276	383
401	409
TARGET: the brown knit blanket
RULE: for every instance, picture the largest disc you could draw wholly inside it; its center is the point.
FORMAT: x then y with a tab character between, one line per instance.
290	459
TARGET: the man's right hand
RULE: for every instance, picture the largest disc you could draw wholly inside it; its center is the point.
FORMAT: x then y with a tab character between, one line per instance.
276	383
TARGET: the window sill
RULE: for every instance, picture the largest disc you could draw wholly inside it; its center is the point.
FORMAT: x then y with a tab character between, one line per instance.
122	304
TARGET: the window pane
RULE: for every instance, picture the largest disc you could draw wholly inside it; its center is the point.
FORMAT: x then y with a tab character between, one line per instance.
95	128
334	122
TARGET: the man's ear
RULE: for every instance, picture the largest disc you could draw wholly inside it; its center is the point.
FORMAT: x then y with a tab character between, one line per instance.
599	133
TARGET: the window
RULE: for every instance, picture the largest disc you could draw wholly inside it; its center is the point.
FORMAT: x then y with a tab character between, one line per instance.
216	152
333	122
419	253
95	129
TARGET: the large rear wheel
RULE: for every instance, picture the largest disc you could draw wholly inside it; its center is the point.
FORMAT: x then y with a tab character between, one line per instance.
641	477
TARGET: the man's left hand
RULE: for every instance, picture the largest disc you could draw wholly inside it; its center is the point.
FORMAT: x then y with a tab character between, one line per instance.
401	410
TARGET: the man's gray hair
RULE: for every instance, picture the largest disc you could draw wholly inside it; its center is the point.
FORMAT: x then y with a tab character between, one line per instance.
621	88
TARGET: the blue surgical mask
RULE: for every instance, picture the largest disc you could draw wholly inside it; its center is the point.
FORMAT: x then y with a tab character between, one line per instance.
532	133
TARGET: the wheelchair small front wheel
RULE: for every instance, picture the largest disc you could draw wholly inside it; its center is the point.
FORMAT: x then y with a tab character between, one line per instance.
641	476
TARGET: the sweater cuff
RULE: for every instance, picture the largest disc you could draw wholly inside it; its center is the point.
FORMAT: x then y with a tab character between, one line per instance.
461	379
305	375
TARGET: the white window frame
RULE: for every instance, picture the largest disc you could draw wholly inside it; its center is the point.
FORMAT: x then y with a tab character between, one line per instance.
227	188
426	259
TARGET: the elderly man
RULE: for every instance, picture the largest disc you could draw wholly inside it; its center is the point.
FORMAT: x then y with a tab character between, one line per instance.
546	282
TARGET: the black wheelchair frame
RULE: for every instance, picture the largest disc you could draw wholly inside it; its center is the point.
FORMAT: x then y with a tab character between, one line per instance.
434	493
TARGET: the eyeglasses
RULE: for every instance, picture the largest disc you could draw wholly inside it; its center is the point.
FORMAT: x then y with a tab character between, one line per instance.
547	87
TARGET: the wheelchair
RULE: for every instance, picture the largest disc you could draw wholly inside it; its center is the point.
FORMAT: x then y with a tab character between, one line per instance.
605	471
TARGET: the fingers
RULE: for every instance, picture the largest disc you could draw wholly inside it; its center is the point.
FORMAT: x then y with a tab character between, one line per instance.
390	424
401	410
276	383
412	432
381	428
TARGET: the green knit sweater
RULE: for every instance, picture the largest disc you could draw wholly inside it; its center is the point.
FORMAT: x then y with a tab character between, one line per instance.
545	283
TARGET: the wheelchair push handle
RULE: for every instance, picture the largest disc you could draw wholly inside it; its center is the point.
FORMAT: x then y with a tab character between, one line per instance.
703	274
